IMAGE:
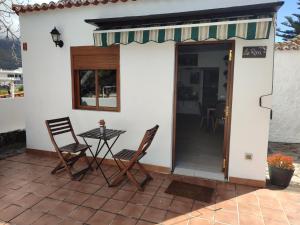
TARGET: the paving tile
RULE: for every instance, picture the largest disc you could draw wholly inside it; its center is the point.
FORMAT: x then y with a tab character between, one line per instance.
200	221
268	221
161	193
99	180
141	199
47	219
249	209
123	195
203	213
250	198
95	202
128	186
10	212
107	192
28	217
294	221
227	217
156	181
229	205
82	187
176	218
225	195
76	197
14	196
101	218
29	200
166	183
69	221
121	220
291	207
251	219
183	199
63	209
160	203
4	204
150	189
82	214
52	181
269	202
154	215
25	182
180	207
132	210
46	205
60	194
141	222
274	214
113	206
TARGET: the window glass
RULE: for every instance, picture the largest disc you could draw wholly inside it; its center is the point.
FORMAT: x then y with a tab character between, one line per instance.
87	87
107	86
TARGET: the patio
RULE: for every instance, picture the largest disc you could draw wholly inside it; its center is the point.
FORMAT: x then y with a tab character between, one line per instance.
29	194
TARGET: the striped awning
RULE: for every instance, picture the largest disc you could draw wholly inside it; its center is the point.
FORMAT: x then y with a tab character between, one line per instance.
248	29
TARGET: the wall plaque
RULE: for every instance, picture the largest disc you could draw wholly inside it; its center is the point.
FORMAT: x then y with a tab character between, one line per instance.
255	52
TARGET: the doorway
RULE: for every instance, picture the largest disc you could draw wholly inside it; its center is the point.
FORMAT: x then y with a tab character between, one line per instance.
202	109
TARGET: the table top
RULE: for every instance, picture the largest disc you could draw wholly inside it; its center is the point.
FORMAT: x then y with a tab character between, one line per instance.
107	135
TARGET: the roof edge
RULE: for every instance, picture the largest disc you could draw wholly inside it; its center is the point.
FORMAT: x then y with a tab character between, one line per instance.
17	8
293	44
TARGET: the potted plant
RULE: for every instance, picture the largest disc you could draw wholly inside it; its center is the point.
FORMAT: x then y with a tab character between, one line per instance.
281	169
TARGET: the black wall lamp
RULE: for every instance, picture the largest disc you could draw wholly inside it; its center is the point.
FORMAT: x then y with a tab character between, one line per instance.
56	38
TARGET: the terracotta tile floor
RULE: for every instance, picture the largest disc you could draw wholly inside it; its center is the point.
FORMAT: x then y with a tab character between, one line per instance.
29	194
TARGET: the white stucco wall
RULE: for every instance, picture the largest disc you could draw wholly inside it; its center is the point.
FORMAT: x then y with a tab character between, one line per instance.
12	115
285	126
147	73
250	123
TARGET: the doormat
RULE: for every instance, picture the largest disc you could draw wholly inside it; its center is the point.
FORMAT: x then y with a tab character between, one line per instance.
196	192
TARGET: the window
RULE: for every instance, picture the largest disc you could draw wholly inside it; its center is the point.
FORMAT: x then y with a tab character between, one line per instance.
96	80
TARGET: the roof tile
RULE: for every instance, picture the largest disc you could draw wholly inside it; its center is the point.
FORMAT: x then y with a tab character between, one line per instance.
60	5
293	44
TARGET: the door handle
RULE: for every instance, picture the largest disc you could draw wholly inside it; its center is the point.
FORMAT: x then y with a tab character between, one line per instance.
226	112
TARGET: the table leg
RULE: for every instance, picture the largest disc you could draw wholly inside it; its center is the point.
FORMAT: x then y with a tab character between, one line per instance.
95	159
110	147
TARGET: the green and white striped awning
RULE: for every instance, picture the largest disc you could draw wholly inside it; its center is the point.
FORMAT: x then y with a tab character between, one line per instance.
248	29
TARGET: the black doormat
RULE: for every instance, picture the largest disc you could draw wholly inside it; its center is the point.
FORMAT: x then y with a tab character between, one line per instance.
196	192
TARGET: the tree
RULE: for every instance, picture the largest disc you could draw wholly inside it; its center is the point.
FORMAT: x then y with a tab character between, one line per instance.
9	28
293	23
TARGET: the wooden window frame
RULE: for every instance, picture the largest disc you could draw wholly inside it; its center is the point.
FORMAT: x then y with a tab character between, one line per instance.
114	64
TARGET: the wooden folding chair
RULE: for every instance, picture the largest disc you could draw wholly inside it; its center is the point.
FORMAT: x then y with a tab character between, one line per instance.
133	157
68	154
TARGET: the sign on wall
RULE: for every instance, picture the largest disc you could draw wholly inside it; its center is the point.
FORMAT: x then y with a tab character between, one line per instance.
255	52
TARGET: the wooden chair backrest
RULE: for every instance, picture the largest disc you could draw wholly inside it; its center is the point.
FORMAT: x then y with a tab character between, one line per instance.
146	142
60	126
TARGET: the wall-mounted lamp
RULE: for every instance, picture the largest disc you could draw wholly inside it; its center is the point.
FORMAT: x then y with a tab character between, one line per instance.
56	38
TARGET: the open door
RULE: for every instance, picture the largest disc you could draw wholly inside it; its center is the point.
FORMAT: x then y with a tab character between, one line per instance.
202	109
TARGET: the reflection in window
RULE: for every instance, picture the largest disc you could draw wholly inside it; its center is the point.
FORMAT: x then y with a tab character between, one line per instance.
87	88
107	86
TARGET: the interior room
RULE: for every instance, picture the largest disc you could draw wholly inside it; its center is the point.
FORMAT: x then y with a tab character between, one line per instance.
201	102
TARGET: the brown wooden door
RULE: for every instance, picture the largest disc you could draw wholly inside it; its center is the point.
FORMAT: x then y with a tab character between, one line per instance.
228	110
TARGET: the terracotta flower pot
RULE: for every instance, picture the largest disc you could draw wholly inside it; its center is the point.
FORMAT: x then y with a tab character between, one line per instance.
280	177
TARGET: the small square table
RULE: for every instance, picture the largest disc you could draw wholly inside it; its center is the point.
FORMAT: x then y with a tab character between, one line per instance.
104	138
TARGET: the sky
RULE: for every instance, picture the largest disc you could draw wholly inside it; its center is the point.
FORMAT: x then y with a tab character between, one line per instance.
288	8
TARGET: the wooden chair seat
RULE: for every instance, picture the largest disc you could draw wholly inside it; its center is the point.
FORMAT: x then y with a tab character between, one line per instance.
127	154
71	153
132	157
73	148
